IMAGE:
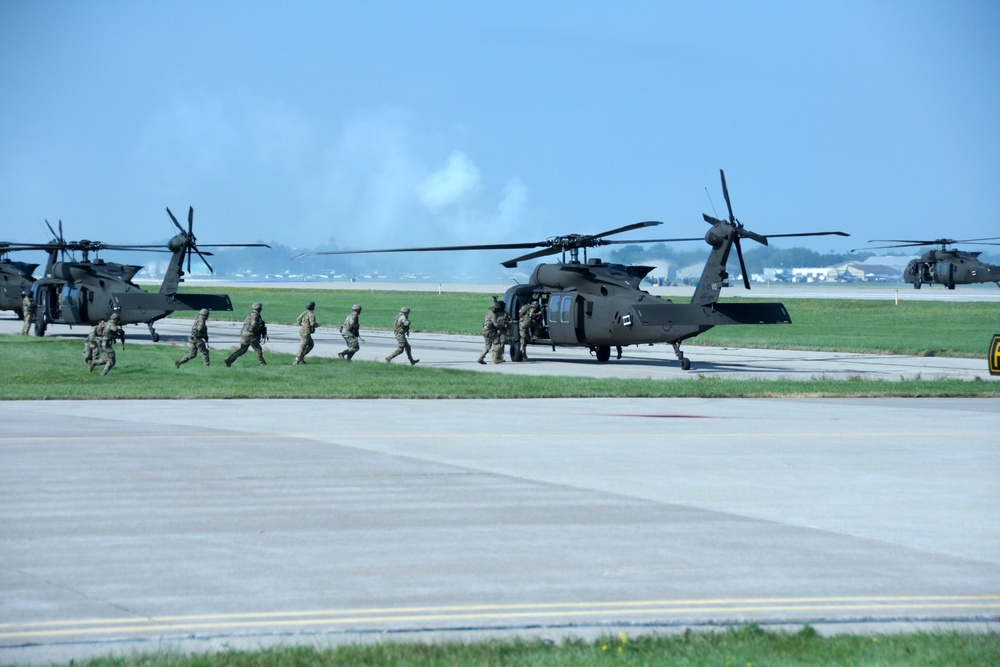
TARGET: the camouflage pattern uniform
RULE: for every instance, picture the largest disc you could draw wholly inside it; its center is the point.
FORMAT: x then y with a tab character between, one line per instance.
351	331
92	346
527	317
254	328
197	339
307	327
28	310
112	332
494	332
401	327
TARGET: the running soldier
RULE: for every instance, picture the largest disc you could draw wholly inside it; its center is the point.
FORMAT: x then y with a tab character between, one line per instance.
401	327
254	329
112	332
351	332
92	345
494	332
197	339
307	327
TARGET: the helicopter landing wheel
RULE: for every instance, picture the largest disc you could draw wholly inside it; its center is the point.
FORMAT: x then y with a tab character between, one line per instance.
40	326
603	352
515	351
685	364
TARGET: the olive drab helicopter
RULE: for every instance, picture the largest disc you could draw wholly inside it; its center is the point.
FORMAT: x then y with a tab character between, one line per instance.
945	266
87	291
16	278
597	305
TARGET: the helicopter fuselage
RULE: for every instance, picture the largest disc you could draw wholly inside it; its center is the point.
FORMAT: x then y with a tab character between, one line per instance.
599	306
950	268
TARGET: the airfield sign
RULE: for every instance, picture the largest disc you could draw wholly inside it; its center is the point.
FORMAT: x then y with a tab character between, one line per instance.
994	355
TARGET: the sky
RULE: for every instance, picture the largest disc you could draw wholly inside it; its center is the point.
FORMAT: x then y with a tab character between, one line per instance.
394	124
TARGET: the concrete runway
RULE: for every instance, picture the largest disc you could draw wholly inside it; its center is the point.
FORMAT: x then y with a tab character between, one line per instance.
193	525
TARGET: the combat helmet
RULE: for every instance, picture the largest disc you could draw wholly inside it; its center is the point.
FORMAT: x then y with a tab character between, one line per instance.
405	310
203	312
257	305
356	307
311	305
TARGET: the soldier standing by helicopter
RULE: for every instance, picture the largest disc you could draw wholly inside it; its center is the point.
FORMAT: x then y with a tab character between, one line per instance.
197	339
307	327
28	309
401	327
495	325
351	332
254	330
92	345
112	332
527	317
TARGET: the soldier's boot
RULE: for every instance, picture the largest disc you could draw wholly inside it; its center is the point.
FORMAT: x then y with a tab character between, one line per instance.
295	362
482	360
497	360
343	355
177	364
260	360
91	365
392	356
349	355
229	361
414	362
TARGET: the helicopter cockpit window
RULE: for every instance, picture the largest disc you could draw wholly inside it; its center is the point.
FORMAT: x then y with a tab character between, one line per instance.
566	303
554	302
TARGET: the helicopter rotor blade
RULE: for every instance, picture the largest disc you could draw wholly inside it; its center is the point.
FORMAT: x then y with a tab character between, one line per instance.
628	228
638	241
725	193
191	222
743	266
176	224
747	234
202	255
554	250
494	246
775	236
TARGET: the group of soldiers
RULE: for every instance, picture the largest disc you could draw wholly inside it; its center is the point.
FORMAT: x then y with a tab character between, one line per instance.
496	323
254	333
98	346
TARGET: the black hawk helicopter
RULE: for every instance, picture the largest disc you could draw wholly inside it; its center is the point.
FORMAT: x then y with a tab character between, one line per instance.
944	265
16	278
88	291
597	305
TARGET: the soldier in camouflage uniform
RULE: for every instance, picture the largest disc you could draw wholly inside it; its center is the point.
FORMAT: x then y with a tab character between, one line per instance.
197	339
254	329
28	311
529	315
495	325
112	332
92	345
401	327
307	327
351	331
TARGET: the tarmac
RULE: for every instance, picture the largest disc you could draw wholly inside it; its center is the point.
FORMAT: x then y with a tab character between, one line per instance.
201	525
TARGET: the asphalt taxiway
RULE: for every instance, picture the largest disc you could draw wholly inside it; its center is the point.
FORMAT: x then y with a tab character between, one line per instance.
190	525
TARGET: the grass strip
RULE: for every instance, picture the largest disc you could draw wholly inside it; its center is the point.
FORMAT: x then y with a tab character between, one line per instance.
736	647
41	368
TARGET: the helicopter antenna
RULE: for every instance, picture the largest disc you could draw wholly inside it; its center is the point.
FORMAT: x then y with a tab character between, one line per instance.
711	203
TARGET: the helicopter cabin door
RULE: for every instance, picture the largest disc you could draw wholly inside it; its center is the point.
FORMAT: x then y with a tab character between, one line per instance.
565	318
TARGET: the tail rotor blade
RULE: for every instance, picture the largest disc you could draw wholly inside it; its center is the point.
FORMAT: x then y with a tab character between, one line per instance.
743	266
176	224
725	193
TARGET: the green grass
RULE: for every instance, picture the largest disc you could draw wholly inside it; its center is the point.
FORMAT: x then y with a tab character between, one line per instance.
747	646
45	368
926	328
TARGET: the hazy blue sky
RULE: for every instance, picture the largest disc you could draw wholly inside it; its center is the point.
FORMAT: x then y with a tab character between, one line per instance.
374	124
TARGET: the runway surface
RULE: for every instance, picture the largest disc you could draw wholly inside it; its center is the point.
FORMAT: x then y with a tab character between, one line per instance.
192	525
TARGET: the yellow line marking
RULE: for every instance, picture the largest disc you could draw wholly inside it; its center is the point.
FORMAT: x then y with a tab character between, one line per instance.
495	612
